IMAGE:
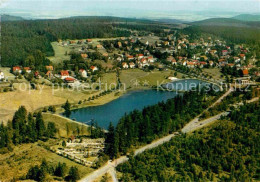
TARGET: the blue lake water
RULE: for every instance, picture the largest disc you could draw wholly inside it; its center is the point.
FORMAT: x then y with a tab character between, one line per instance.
114	110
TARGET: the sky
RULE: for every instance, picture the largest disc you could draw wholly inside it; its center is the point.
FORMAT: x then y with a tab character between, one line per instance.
173	9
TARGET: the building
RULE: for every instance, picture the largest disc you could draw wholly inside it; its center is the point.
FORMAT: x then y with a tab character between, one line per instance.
83	73
84	56
2	75
64	74
49	68
132	65
125	65
93	68
49	74
27	69
17	69
70	80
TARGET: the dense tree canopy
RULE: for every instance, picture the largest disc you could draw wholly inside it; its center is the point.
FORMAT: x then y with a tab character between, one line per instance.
228	150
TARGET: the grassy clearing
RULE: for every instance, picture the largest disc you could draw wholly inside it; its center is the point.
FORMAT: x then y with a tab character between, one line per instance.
130	76
16	164
214	72
63	124
60	52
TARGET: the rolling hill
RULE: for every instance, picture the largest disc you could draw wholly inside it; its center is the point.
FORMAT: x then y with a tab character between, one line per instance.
5	18
247	17
227	22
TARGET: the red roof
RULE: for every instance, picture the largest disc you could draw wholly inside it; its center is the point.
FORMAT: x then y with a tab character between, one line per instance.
242	55
64	73
16	68
69	79
81	70
245	72
93	67
224	51
203	62
27	68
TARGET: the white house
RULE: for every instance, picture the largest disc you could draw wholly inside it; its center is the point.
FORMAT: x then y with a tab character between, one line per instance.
2	75
93	68
132	65
83	73
125	65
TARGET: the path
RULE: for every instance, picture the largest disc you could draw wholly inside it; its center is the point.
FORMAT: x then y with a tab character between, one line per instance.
193	125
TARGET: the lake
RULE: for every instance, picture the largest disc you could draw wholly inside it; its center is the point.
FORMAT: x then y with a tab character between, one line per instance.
138	99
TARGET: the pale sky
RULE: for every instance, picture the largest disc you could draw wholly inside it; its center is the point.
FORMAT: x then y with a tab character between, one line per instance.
179	9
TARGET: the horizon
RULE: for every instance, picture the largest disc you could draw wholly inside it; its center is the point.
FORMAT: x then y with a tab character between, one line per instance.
188	10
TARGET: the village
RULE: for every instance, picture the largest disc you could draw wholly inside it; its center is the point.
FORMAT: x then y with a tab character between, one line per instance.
89	59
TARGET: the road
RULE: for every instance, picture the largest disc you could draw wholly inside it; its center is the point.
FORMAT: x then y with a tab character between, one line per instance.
191	126
110	165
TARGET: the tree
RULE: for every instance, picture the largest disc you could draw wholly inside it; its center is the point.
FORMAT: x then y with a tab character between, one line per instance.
73	174
109	141
40	127
60	170
51	129
67	106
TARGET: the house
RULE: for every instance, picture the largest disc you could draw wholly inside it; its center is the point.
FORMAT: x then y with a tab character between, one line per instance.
132	65
2	75
224	52
49	68
237	59
140	56
64	74
231	65
94	68
245	72
202	64
119	59
125	65
17	69
27	69
190	64
37	74
143	63
83	73
105	54
89	40
99	46
211	63
84	56
70	80
72	42
119	44
49	74
150	59
242	56
129	57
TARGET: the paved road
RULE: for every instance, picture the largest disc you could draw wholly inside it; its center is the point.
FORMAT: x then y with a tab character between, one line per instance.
193	125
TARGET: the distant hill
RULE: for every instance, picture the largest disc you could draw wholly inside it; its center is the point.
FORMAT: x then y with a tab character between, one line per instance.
247	17
171	21
5	18
227	22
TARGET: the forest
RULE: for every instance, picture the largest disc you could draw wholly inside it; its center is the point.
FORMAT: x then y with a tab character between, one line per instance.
142	127
226	151
24	128
21	38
